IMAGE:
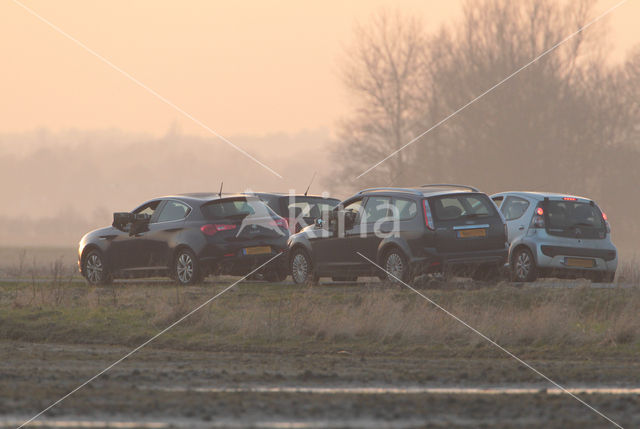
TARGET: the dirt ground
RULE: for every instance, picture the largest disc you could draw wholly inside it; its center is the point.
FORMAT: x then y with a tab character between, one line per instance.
160	388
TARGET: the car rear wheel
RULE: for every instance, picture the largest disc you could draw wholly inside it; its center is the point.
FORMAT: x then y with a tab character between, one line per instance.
302	268
523	266
396	266
95	270
186	270
604	277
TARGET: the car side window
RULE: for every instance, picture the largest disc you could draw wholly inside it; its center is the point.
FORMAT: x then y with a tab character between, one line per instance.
376	208
514	207
404	208
173	210
498	201
148	209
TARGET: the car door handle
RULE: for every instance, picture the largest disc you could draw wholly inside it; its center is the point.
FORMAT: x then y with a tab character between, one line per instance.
521	227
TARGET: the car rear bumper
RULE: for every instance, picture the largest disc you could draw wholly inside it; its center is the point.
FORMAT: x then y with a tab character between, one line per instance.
235	260
471	258
564	258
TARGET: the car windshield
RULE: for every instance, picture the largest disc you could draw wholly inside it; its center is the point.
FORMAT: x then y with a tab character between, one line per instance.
564	215
236	208
452	207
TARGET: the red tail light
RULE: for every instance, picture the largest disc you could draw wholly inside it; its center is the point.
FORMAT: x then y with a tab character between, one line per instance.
538	218
604	216
281	222
211	229
428	219
569	199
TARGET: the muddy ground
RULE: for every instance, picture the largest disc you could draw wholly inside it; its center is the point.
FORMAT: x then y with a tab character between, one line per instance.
163	387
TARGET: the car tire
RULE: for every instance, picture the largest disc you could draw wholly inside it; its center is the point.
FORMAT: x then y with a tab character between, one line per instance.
395	262
523	266
95	270
301	267
186	269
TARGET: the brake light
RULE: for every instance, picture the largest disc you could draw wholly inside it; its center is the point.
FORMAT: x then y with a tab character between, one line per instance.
604	216
538	218
211	229
428	219
569	199
281	222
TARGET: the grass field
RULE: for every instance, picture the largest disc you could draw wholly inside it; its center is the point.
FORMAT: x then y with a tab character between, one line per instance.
368	318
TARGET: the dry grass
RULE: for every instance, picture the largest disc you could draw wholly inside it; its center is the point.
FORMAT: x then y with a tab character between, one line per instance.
363	318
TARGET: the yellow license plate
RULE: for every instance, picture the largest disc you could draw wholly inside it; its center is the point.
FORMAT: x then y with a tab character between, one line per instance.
258	250
470	233
579	262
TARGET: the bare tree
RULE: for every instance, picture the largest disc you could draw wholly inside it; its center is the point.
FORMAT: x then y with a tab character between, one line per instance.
381	73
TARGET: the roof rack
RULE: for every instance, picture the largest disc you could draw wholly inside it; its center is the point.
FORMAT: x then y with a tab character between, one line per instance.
449	185
413	191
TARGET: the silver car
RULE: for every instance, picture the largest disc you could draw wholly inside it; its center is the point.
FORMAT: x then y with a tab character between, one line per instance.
557	235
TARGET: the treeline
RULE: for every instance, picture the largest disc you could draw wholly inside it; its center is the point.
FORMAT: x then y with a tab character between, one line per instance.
567	123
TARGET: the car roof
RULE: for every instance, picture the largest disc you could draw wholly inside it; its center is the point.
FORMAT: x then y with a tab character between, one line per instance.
201	197
283	194
539	196
421	191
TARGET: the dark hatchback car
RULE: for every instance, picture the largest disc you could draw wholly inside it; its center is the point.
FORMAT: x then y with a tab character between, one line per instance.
407	231
300	210
187	237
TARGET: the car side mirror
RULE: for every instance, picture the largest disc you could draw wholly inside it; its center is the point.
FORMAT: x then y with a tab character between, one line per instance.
121	220
139	224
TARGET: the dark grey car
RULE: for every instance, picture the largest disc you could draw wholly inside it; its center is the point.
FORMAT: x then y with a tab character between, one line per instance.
408	231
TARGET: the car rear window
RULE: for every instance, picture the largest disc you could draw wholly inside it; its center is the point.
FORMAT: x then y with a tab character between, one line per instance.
236	208
452	207
309	206
569	215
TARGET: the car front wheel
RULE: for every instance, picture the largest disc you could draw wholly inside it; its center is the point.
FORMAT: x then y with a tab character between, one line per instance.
186	270
302	268
95	270
523	266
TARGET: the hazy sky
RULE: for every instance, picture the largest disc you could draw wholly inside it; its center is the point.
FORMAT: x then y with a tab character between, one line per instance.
240	67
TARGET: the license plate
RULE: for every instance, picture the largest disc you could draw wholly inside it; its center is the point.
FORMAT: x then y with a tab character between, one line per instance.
471	233
258	250
579	262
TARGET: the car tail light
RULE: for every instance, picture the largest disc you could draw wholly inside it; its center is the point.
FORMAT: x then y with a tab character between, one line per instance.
428	219
606	222
281	222
604	216
212	229
569	199
538	218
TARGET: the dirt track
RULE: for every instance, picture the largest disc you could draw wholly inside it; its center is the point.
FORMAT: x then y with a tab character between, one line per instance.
162	387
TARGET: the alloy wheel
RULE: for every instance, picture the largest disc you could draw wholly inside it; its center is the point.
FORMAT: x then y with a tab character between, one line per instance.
395	265
94	268
184	268
300	268
523	265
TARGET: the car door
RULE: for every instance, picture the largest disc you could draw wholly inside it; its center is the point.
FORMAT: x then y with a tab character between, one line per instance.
334	253
126	251
367	234
158	242
515	209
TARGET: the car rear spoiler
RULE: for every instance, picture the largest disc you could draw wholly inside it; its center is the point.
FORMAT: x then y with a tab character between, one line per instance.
449	185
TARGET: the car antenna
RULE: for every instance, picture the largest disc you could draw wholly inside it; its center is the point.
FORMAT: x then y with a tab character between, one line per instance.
220	193
312	177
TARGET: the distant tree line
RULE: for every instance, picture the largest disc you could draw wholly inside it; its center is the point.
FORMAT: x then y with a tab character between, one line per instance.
567	123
